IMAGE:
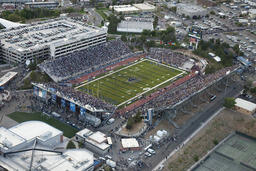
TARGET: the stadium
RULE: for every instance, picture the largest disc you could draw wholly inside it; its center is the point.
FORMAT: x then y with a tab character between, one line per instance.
110	78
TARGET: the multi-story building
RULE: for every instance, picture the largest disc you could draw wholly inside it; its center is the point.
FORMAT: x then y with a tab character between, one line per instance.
48	5
51	38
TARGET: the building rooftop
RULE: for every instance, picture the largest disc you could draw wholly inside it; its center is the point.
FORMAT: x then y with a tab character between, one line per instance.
9	24
144	6
8	139
75	159
97	139
252	11
245	104
7	77
32	129
45	33
130	143
190	7
125	8
134	26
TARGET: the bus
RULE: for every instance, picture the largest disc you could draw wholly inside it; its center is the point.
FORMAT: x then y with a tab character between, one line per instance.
213	97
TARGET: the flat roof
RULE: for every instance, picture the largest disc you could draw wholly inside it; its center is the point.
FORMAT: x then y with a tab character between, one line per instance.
130	143
190	7
125	8
9	139
32	129
7	77
98	137
9	24
144	6
42	34
245	104
236	152
84	132
73	159
134	26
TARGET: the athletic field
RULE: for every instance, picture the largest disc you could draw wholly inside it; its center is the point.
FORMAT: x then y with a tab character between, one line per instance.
128	83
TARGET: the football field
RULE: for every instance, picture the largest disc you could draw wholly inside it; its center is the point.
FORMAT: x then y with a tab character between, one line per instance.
128	83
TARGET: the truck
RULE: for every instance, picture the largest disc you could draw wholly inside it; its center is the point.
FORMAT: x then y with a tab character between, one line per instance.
111	163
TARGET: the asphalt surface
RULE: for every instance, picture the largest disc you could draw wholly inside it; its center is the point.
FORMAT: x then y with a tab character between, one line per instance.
186	131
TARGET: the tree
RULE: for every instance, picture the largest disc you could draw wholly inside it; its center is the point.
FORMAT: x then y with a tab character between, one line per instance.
212	12
155	23
137	117
173	9
229	102
113	22
150	43
71	145
14	18
253	90
123	38
130	123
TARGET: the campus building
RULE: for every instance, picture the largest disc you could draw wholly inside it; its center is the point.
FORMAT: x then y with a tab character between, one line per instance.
135	8
23	147
6	78
245	106
47	4
52	38
95	141
191	10
135	25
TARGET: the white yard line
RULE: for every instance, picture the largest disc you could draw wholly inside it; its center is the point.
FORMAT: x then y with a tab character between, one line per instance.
183	72
109	74
150	89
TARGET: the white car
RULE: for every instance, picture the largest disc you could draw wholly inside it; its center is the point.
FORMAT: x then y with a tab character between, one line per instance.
108	157
147	154
151	151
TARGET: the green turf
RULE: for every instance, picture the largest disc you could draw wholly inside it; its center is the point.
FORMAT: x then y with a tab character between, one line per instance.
116	88
68	130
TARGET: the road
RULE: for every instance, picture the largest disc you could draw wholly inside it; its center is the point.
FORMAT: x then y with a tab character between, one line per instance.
194	124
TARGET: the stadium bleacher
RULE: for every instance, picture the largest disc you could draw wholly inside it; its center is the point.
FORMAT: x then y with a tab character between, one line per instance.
86	61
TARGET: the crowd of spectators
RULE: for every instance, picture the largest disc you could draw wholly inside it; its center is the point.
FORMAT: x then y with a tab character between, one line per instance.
86	61
168	56
189	88
80	97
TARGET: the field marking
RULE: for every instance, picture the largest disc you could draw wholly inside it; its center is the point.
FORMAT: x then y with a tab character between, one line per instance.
150	89
143	92
110	73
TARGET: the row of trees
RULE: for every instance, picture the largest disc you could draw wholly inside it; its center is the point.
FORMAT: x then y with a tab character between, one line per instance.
223	50
113	22
22	15
26	14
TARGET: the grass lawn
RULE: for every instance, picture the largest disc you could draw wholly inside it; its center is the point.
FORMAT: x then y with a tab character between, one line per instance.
102	13
121	86
68	130
34	77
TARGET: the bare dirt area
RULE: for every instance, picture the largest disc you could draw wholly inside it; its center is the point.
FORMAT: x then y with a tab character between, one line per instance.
221	126
163	124
135	129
